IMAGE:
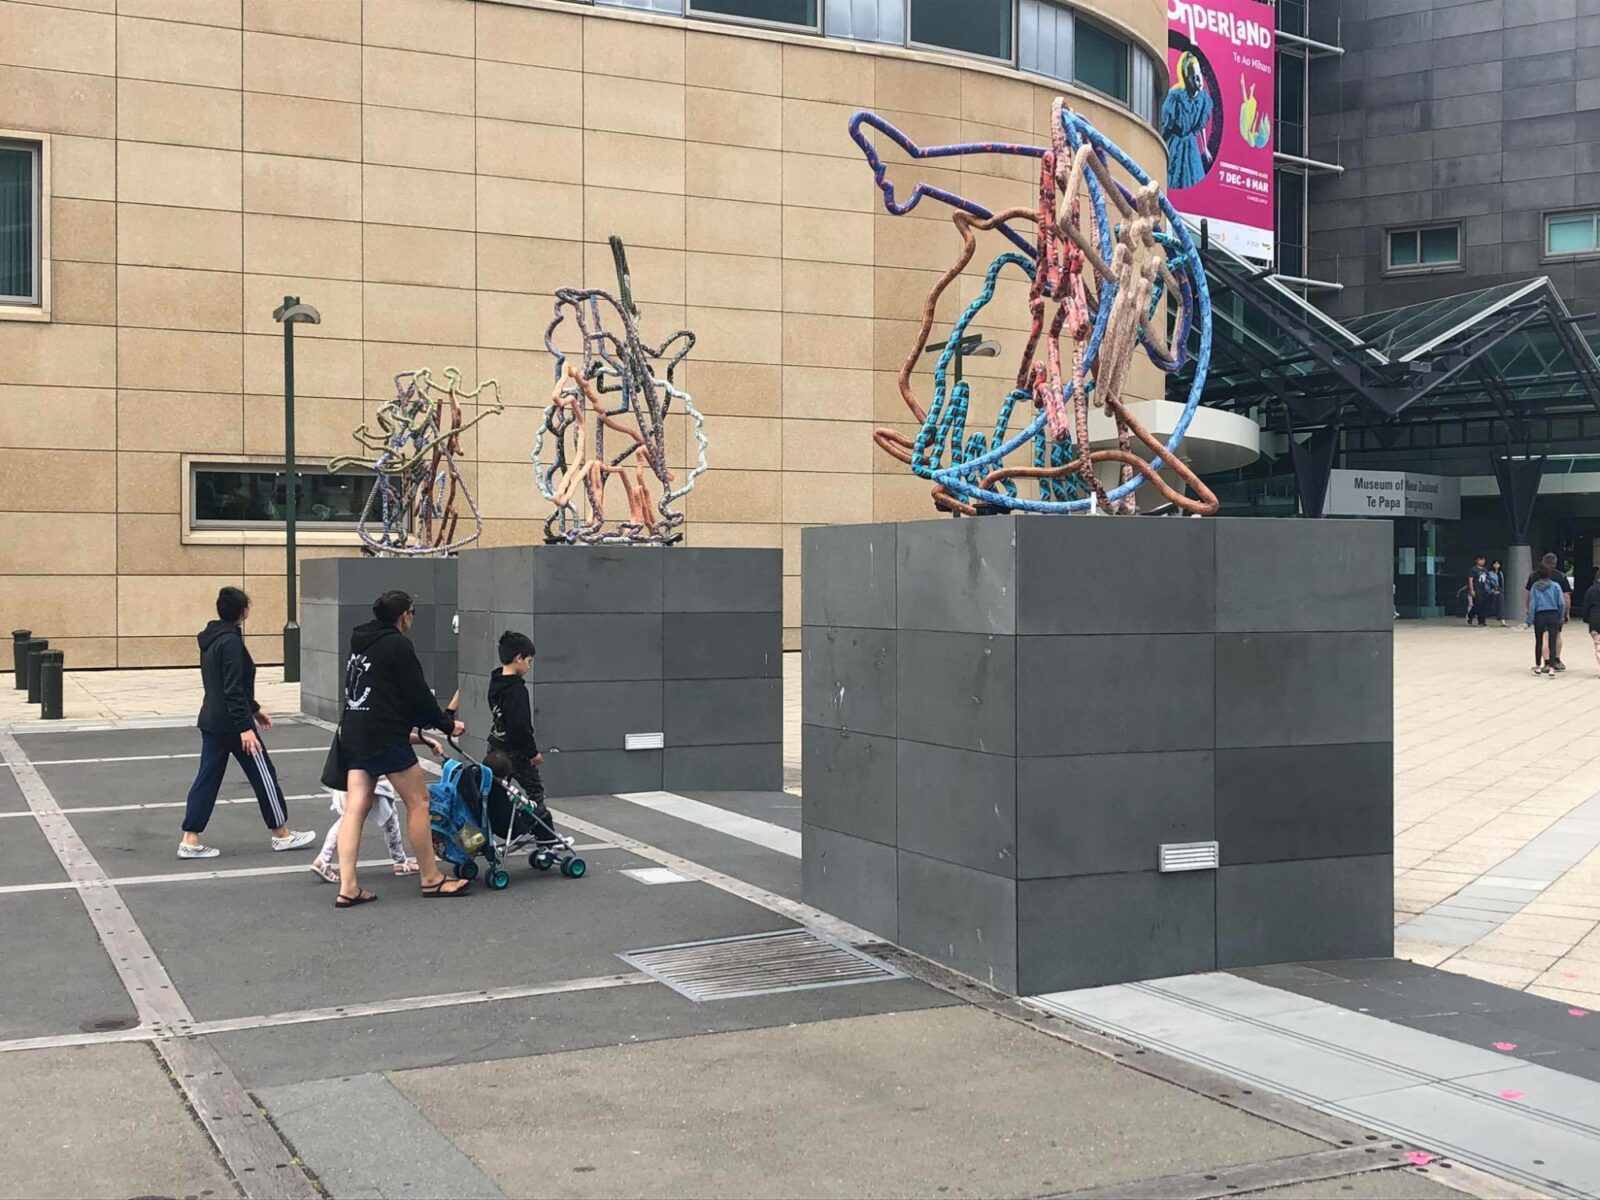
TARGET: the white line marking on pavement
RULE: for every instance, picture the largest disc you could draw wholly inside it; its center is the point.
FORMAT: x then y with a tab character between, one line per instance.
153	804
122	758
801	914
260	1162
377	1008
651	876
747	829
81	885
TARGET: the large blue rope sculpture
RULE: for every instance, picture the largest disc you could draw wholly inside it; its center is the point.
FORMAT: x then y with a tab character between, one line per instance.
418	484
1108	275
641	380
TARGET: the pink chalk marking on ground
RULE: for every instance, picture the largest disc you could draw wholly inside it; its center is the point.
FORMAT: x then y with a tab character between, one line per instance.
1505	1047
1511	1094
1569	975
1419	1158
1577	1012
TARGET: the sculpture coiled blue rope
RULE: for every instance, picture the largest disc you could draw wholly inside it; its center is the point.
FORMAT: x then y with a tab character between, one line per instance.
1143	264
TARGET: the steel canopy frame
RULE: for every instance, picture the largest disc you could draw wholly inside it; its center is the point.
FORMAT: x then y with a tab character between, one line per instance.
1502	363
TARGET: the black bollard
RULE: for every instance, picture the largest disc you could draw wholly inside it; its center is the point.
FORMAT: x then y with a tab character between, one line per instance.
19	664
36	647
52	666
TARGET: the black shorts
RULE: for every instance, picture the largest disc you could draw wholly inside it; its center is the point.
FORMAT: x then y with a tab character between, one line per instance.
397	758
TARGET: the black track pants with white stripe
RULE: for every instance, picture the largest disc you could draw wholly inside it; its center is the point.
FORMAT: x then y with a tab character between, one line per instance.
214	751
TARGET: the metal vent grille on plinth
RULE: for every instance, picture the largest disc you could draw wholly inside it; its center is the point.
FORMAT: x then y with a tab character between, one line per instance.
758	964
1190	856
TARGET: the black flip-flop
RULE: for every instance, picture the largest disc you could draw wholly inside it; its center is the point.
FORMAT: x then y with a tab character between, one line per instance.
436	891
360	898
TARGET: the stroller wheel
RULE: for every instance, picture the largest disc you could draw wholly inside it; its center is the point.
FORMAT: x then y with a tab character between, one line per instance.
539	861
574	868
467	870
498	879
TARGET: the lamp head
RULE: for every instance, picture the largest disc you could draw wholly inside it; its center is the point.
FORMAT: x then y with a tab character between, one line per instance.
292	312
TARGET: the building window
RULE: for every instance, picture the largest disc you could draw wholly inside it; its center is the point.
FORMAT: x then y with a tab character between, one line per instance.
240	496
1290	195
1422	249
1100	60
866	20
1291	114
1571	234
21	223
671	7
981	27
764	12
1147	83
1044	39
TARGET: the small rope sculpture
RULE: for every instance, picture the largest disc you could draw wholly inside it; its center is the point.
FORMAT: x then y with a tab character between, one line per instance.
1105	275
641	380
418	482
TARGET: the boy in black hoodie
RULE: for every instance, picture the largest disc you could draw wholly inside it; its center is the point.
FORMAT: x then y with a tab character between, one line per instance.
228	719
513	723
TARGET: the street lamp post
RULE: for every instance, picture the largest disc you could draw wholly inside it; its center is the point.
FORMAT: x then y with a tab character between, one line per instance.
974	345
289	314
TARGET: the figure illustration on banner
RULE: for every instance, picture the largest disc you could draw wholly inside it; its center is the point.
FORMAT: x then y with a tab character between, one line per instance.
1255	126
1186	125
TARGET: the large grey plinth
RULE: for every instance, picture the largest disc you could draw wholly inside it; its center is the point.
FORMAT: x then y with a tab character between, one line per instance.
1005	718
336	595
684	642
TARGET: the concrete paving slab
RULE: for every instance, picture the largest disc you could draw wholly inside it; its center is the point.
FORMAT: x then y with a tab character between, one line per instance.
1522	1146
1400	1184
780	808
101	1121
11	797
861	1107
115	743
744	860
267	944
25	854
539	1025
364	1139
54	975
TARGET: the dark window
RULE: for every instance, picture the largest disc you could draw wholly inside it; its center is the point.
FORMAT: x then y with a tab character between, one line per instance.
19	223
1290	187
771	12
1100	60
971	26
247	496
1413	249
1291	105
1292	17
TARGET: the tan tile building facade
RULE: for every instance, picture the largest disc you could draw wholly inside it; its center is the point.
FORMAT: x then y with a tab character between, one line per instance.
426	172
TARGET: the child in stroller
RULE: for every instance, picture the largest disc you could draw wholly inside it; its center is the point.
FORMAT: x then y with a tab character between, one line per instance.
479	809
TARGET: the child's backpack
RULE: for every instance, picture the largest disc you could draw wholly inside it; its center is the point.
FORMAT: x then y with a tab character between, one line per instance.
456	803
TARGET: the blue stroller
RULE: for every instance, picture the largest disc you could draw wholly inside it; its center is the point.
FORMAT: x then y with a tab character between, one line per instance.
474	814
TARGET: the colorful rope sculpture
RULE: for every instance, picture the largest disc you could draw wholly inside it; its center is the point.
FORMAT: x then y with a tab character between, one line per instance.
418	482
625	385
1108	275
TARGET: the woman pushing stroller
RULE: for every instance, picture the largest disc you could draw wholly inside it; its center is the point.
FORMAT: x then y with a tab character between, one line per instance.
385	698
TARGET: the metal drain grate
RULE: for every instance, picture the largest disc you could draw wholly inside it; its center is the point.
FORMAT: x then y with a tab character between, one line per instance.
758	964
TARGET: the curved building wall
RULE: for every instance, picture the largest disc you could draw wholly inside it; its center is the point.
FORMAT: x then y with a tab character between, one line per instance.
426	172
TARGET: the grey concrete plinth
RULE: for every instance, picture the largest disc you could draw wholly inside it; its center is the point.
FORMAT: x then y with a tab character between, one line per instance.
336	595
682	642
1006	718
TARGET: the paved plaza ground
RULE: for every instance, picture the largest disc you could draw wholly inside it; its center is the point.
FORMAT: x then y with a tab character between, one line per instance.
218	1029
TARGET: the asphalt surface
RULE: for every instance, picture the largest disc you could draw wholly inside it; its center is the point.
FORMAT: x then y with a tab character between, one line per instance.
496	1045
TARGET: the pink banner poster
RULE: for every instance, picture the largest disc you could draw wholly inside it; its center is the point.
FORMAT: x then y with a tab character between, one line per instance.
1217	119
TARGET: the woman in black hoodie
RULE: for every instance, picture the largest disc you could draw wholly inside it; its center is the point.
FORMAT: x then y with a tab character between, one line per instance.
385	698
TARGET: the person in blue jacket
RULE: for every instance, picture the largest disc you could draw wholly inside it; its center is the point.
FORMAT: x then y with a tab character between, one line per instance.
228	719
1185	117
